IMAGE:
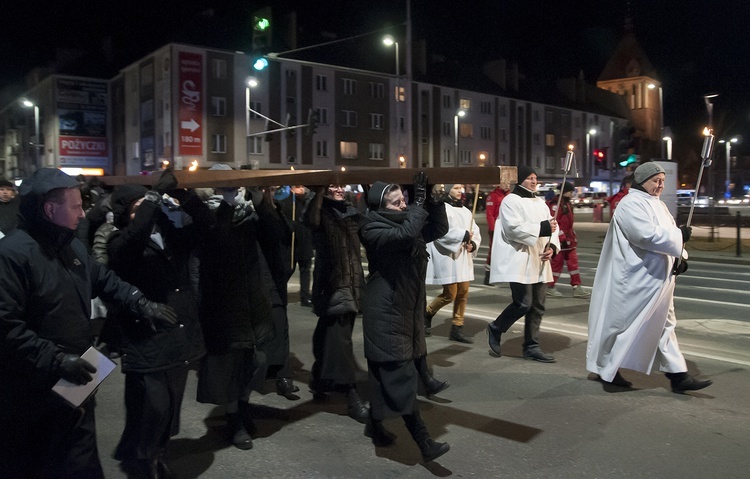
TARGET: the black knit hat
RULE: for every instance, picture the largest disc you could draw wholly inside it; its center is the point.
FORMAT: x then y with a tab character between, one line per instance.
122	199
5	183
524	172
567	186
376	194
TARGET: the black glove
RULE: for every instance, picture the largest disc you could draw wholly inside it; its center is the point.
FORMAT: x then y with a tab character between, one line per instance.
680	266
152	312
166	182
687	232
74	369
152	196
420	188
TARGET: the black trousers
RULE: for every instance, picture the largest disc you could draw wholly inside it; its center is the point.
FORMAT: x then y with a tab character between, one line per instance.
305	268
277	348
152	413
41	437
528	300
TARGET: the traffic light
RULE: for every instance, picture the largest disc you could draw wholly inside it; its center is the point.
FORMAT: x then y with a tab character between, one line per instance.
262	29
599	157
313	118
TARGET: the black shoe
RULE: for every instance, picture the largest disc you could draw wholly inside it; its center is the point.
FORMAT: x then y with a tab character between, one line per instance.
164	471
380	436
618	381
356	408
139	469
432	386
682	382
457	335
493	337
538	355
237	433
487	278
306	303
431	450
285	387
428	324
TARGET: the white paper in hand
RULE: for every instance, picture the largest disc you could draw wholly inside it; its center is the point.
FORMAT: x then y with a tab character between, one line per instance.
75	394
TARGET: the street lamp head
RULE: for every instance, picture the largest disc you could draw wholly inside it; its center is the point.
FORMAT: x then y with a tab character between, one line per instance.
651	86
461	113
388	40
27	103
592	131
252	82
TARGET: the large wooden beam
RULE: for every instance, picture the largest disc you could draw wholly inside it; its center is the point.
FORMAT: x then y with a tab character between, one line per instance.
237	178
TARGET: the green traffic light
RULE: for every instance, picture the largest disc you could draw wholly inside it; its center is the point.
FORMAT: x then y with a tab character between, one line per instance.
260	63
629	160
261	24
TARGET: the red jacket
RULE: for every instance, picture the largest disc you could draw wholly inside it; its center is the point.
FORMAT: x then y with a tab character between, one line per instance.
565	220
492	206
614	199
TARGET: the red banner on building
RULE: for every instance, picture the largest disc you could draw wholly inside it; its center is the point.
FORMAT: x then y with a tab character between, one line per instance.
83	151
190	109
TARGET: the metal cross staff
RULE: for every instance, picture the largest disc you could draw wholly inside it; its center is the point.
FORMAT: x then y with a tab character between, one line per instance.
708	147
569	161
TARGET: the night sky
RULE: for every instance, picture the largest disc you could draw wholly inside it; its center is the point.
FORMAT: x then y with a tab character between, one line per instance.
696	46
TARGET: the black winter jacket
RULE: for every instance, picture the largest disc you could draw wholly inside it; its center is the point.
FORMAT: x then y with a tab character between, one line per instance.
163	276
338	279
394	303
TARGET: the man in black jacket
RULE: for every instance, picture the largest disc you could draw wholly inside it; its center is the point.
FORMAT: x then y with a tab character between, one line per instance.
8	207
47	280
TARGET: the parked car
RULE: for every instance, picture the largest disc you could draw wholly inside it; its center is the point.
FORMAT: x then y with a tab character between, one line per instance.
590	199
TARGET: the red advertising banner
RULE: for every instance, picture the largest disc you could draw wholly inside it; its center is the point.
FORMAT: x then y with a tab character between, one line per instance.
190	106
83	151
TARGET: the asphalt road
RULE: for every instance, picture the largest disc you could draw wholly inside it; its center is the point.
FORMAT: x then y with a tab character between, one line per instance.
503	417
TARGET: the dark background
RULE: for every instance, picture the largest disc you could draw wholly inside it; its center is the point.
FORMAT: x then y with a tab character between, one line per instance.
695	46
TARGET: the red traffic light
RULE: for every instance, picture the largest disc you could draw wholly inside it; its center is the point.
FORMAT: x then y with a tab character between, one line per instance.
599	154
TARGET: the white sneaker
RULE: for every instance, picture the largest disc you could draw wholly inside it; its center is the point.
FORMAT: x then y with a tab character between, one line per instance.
553	292
578	292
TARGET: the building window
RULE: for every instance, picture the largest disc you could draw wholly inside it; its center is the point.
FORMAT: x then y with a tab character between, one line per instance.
465	157
376	151
376	121
348	118
466	130
218	106
350	86
485	107
485	133
321	148
219	69
565	119
321	82
401	123
255	145
550	163
349	150
447	156
549	139
447	128
219	144
400	94
291	74
549	117
322	116
577	122
377	90
536	139
255	106
446	100
503	110
465	104
537	116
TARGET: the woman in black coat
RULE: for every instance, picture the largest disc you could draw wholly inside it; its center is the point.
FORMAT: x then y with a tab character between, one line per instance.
152	251
394	237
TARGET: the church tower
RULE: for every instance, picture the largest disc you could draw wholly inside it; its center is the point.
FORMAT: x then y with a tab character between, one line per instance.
630	74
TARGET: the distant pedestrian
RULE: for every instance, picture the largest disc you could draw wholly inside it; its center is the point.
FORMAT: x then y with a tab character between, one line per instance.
394	237
451	262
568	254
8	207
631	319
527	241
615	199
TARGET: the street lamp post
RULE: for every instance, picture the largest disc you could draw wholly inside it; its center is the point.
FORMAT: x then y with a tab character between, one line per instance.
589	134
250	82
30	104
661	117
388	40
711	178
459	113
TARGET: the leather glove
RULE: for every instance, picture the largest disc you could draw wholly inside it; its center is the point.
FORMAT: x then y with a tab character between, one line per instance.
679	267
152	312
166	182
152	196
420	188
687	232
75	369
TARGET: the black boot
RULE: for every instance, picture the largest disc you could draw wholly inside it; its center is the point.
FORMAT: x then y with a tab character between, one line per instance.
356	408
428	323
431	385
682	382
380	436
247	417
285	387
430	449
237	433
457	335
